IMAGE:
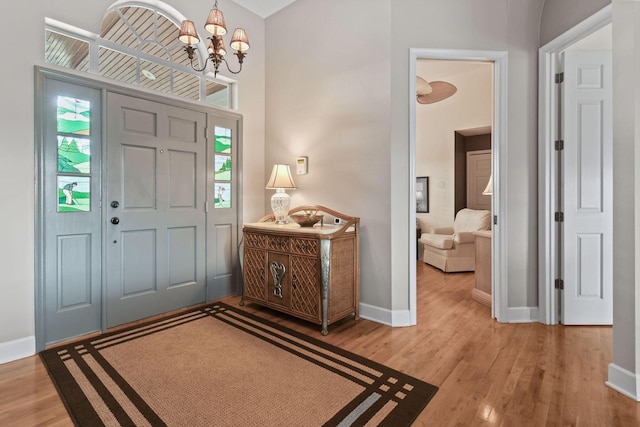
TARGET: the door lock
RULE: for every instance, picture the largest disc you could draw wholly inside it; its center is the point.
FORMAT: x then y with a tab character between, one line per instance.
115	204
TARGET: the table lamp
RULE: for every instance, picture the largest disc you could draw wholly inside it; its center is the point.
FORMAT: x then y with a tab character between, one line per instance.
280	181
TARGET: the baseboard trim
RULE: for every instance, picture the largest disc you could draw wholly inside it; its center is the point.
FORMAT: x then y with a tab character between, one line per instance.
17	349
624	382
395	318
481	297
522	314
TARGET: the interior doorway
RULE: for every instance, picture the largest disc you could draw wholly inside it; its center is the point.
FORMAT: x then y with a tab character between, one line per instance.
498	61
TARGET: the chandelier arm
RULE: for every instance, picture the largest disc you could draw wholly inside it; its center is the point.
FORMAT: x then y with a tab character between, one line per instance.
190	50
230	70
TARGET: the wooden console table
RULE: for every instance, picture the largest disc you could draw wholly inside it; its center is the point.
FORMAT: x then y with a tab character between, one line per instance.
309	272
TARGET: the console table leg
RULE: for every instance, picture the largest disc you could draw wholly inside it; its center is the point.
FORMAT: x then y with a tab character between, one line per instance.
325	251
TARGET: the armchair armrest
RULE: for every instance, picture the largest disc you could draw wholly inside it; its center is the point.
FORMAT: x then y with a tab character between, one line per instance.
441	230
464	237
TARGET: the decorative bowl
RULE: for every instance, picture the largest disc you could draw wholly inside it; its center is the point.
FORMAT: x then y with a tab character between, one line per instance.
306	219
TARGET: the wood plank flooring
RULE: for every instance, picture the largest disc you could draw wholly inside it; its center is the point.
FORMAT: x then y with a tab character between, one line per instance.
489	374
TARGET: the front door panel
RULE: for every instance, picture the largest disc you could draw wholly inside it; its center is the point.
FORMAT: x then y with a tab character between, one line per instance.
156	217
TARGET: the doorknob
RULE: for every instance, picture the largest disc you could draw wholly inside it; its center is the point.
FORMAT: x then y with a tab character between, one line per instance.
115	220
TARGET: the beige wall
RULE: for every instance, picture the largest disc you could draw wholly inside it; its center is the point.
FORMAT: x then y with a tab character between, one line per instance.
328	98
338	90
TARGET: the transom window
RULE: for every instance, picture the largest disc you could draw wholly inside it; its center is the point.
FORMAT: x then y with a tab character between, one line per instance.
137	45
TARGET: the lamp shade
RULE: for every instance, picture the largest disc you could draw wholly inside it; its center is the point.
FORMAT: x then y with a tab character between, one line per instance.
488	191
215	23
240	41
188	33
281	178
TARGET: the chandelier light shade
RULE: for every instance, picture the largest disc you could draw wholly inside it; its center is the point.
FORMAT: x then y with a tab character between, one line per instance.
216	26
215	22
239	40
280	180
188	33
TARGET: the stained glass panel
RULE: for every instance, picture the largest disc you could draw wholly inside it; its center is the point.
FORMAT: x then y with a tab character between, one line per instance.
74	116
223	140
74	194
74	154
222	195
222	168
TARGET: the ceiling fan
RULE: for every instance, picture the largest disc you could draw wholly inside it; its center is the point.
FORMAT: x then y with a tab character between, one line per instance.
430	92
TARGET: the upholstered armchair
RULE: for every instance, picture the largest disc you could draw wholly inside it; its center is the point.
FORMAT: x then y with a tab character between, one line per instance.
453	249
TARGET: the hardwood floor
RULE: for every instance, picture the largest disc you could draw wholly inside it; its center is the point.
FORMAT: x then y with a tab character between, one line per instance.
489	373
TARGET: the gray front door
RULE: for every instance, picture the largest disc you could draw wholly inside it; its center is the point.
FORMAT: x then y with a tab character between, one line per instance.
155	208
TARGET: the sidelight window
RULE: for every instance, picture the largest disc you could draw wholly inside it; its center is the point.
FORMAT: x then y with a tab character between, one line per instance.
73	124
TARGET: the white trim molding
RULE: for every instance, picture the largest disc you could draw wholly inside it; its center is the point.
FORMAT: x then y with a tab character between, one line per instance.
17	349
385	316
624	381
523	314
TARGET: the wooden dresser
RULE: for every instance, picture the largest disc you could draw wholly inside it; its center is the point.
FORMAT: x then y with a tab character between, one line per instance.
309	272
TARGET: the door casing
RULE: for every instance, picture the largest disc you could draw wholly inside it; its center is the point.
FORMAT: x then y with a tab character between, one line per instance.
499	309
547	173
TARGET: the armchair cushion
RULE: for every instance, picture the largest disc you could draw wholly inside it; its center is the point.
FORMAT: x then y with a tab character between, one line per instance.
439	241
464	237
441	230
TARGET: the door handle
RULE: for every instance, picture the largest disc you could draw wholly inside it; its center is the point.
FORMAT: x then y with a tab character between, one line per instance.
115	220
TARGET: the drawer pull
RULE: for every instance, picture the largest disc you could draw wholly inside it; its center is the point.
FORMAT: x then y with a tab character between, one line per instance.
277	271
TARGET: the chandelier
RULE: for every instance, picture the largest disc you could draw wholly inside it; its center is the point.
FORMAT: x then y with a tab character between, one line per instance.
216	26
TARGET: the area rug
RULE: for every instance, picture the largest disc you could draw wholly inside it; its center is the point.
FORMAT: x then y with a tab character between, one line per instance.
219	366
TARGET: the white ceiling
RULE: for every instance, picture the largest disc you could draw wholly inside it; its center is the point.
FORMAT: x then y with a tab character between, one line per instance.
263	8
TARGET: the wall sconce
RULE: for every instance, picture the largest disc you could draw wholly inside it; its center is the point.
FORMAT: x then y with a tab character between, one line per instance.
216	26
280	181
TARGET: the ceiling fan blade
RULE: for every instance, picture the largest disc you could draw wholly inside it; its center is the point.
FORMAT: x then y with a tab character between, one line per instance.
440	90
422	86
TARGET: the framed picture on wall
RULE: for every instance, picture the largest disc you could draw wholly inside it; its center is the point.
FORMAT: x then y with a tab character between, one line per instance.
422	194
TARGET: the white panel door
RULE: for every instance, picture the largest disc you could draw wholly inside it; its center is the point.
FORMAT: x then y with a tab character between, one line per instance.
156	237
586	198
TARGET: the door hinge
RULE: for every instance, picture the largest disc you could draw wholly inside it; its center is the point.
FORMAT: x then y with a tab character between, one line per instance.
495	220
206	133
559	283
559	77
559	144
206	207
559	216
